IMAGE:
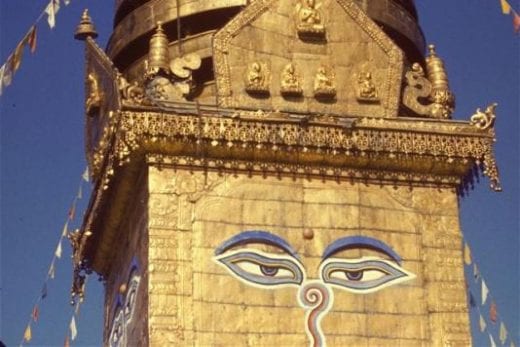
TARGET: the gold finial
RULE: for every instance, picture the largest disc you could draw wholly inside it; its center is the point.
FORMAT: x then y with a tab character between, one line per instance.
85	28
158	57
441	94
436	71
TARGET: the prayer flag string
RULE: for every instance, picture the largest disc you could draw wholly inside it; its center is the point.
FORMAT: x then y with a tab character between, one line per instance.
64	233
489	320
14	60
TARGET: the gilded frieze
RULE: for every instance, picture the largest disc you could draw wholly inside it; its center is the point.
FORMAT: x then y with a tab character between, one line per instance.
366	138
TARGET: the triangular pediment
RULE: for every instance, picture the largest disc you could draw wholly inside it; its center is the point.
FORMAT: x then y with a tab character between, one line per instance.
323	56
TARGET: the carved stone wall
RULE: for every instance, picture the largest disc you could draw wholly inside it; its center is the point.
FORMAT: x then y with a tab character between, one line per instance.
193	300
130	261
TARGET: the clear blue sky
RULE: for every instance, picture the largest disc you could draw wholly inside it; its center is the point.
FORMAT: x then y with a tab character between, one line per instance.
42	156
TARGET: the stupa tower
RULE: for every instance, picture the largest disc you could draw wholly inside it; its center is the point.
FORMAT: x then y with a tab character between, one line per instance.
276	172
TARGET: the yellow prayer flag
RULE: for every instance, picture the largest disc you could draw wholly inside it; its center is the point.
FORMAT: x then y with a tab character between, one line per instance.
506	8
27	335
17	56
482	323
503	333
467	254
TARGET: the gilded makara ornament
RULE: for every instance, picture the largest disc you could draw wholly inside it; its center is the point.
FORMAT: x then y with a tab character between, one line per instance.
257	78
290	83
429	95
168	79
130	92
367	91
309	20
324	83
95	95
484	120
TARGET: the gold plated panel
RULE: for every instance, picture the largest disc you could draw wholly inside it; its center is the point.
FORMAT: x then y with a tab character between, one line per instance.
341	40
188	291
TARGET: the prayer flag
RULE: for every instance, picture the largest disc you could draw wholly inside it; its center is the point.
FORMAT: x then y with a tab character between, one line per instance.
503	333
51	271
506	8
2	69
512	344
467	254
482	323
67	342
491	341
85	175
7	74
485	292
73	331
72	211
493	312
472	302
52	9
44	290
66	2
35	313
80	193
31	38
65	229
27	335
475	272
58	250
17	56
516	22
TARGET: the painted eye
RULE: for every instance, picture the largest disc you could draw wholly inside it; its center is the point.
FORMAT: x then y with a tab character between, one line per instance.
365	275
262	269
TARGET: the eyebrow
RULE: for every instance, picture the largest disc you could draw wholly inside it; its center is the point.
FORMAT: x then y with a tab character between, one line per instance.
256	236
350	242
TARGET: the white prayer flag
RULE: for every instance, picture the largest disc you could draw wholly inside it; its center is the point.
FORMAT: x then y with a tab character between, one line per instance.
485	292
491	341
65	229
52	9
85	174
58	250
2	70
73	331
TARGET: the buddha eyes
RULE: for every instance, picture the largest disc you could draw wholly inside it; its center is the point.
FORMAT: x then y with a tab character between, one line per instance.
363	275
262	269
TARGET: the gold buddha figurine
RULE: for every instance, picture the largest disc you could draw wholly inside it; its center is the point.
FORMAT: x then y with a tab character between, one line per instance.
257	78
324	83
310	22
366	88
290	83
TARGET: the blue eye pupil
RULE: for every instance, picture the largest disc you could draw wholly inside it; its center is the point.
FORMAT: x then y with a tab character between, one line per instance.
269	270
354	275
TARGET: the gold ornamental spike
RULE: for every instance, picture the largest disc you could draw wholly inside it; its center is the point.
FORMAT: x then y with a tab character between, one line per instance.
158	57
85	28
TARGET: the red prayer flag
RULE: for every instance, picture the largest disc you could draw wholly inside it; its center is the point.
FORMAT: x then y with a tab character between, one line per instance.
31	38
72	211
35	313
67	342
493	314
516	22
